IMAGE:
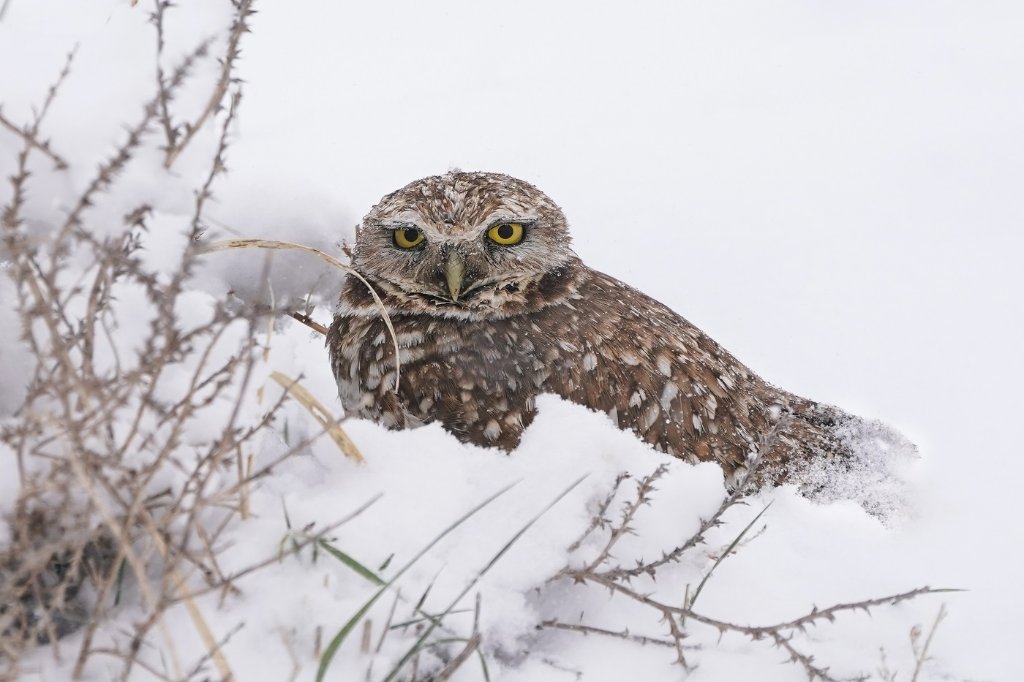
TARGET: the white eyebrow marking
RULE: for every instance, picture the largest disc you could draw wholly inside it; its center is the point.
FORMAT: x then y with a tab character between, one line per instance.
503	216
403	218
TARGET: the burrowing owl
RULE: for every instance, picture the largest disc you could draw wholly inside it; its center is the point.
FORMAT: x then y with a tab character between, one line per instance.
492	307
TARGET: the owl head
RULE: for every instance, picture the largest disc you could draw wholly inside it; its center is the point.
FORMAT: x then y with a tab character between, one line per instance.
464	244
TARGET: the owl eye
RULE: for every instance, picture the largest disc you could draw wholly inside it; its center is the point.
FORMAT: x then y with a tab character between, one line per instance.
408	237
506	234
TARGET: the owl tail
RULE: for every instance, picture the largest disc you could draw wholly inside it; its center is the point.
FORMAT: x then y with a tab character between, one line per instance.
833	455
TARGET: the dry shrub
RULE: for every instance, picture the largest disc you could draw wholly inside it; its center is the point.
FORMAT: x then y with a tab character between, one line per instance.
131	443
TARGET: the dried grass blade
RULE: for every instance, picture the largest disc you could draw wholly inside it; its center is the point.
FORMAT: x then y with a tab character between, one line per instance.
320	414
275	244
203	628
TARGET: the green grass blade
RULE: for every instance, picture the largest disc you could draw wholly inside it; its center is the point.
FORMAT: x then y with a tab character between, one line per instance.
490	564
350	562
346	629
483	665
425	617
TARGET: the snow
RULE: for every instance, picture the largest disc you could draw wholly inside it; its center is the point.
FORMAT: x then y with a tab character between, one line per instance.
830	190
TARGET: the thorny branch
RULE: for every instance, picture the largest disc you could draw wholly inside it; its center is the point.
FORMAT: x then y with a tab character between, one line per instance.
599	519
11	213
679	618
29	137
164	96
644	490
218	167
240	25
741	488
115	483
110	168
619	634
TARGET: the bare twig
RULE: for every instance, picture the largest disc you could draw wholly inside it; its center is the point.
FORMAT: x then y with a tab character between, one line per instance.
806	661
309	322
32	140
618	634
217	167
728	550
238	27
779	633
110	168
680	618
644	489
11	214
309	540
599	520
921	651
163	97
814	616
715	520
277	244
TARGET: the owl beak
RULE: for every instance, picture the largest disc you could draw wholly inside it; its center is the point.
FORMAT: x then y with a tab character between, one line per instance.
454	271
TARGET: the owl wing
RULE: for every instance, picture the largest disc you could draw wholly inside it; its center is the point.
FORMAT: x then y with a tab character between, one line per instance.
595	341
613	349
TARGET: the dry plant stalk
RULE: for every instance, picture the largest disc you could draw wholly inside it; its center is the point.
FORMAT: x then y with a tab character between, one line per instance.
320	413
29	136
679	618
275	244
921	649
125	492
176	138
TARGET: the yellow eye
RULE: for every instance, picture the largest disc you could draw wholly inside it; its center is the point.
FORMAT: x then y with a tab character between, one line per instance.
408	237
506	234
